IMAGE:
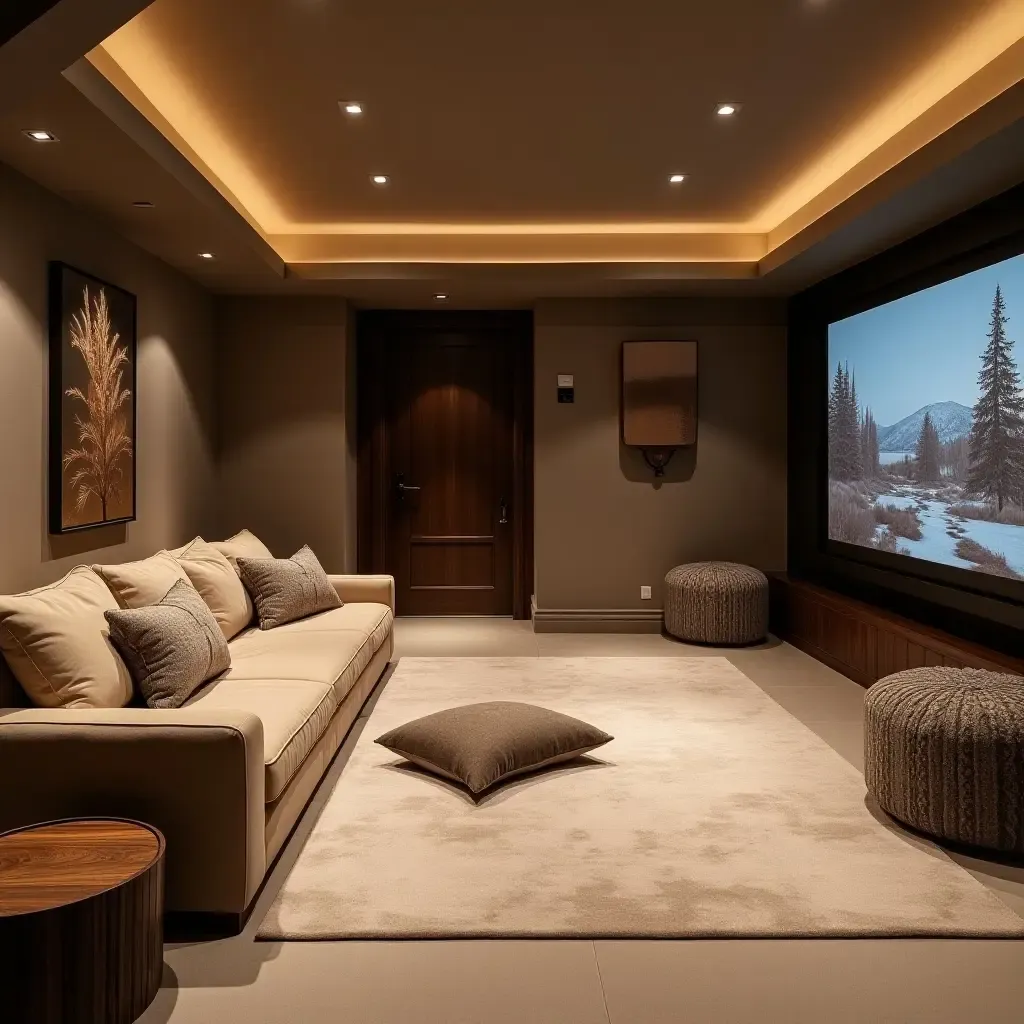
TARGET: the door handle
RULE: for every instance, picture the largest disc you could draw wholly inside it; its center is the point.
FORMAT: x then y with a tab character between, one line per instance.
401	487
503	518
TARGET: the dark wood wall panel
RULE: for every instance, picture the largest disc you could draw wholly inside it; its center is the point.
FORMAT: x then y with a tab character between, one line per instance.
864	642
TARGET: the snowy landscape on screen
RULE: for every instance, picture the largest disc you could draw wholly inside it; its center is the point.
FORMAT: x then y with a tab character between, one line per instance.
926	424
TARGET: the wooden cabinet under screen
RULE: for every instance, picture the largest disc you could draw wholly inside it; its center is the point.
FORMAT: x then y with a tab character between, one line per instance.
659	398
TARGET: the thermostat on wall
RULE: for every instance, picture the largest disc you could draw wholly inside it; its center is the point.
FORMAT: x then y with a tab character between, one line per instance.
565	388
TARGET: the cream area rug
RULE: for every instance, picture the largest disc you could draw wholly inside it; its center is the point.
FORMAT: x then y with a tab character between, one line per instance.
713	812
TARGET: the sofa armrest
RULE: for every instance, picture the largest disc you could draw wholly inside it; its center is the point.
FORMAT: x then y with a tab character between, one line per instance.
197	775
378	589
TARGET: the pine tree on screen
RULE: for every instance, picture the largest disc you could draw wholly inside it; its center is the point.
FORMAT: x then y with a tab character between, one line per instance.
928	451
869	444
844	434
851	427
836	401
997	433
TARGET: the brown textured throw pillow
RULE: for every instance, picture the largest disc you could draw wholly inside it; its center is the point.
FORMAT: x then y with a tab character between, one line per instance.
481	745
285	589
170	648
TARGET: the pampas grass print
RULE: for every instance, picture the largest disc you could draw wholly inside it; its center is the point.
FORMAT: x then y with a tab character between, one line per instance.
103	439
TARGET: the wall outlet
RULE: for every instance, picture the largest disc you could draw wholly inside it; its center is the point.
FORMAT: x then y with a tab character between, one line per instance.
645	593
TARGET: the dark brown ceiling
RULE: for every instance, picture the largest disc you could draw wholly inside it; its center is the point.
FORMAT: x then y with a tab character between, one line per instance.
540	110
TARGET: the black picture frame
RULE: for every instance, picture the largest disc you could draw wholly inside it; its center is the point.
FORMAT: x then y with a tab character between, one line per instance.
86	492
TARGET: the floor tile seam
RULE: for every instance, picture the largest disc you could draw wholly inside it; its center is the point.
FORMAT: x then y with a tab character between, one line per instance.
600	982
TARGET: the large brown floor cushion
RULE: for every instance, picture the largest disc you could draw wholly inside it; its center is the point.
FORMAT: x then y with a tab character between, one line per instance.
944	752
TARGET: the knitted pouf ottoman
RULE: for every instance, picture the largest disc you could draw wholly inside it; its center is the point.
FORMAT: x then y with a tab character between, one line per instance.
716	603
944	753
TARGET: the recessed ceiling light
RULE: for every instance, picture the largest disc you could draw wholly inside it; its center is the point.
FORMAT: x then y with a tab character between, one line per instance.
207	256
143	204
727	109
379	179
352	107
441	297
676	179
38	135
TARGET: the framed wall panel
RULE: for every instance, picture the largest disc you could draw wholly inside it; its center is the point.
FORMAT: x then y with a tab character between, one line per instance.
659	398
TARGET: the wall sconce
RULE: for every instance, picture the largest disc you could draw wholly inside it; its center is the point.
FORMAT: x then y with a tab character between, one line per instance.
659	398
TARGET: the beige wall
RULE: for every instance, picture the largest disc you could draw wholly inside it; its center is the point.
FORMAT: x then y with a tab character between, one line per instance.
604	527
287	424
176	423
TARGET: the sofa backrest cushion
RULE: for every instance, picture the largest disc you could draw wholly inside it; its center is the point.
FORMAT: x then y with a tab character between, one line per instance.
56	642
142	583
218	584
242	545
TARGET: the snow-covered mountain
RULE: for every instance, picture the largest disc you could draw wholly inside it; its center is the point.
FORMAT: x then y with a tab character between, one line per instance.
951	419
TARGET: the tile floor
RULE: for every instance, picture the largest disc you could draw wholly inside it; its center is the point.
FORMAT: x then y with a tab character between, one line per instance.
864	981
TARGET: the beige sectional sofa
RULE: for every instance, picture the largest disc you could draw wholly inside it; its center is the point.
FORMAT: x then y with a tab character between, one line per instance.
226	776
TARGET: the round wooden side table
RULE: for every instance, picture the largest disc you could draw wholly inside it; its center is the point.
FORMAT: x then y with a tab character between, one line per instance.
81	921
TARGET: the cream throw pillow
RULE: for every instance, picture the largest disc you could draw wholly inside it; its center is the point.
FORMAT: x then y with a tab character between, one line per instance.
57	644
140	584
243	545
218	585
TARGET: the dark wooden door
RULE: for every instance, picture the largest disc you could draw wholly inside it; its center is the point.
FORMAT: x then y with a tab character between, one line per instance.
447	486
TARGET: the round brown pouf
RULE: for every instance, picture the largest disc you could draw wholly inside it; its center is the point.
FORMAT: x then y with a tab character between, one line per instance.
81	921
944	753
716	603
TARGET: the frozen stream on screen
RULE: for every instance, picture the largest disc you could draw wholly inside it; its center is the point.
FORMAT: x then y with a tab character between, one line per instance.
936	545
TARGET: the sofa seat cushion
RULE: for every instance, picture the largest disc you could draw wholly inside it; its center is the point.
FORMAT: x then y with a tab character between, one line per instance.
331	647
294	712
372	619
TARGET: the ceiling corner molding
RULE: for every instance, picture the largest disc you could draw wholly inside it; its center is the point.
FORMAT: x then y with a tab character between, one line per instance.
981	105
939	149
102	84
725	254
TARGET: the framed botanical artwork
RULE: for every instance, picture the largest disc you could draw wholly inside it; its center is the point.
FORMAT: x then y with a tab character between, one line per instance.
92	401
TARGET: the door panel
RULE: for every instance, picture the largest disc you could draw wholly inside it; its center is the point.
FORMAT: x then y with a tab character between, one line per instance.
451	561
450	433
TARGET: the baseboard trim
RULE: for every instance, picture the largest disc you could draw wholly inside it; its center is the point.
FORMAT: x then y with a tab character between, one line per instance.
596	620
